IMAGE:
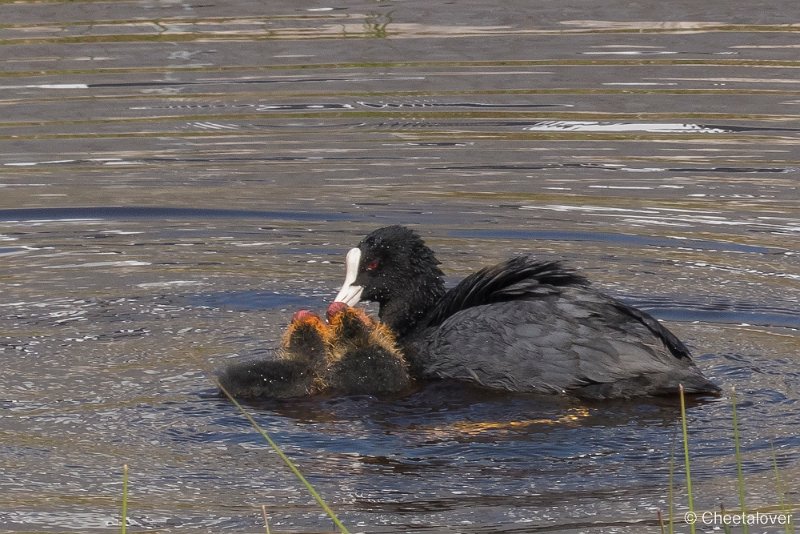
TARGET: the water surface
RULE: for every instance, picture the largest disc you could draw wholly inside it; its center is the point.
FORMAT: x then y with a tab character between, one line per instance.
178	178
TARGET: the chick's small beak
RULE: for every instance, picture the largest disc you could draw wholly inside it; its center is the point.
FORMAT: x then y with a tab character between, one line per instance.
350	294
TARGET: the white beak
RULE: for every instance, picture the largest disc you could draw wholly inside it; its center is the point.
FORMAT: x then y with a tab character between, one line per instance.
350	294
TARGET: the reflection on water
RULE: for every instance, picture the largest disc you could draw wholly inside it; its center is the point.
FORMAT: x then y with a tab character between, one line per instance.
177	179
99	213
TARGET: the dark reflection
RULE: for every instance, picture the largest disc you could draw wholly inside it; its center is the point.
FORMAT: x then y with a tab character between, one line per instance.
158	213
450	446
614	238
447	413
254	300
720	312
621	168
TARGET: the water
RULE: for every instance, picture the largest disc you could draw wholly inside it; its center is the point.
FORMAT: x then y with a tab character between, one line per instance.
177	179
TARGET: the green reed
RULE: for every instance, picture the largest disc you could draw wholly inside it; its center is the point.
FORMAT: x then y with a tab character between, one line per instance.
292	467
124	524
786	509
738	455
671	499
783	506
686	458
266	518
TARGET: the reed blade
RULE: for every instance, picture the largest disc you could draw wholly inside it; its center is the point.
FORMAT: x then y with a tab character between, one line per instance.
738	455
124	523
292	467
686	458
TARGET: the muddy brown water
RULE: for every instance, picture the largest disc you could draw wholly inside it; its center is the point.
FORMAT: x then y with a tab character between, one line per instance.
177	178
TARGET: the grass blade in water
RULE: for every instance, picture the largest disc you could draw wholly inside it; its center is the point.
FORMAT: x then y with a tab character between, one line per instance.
124	523
686	460
781	490
738	455
287	461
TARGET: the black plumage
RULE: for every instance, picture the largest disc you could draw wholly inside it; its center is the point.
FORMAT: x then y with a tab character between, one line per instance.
520	325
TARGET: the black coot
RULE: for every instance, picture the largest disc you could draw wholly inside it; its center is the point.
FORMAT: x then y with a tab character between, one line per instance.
521	325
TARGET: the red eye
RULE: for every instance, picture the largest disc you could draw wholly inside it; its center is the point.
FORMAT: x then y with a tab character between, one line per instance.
374	264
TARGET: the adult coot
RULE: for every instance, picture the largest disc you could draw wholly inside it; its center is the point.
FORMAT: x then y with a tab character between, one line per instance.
521	325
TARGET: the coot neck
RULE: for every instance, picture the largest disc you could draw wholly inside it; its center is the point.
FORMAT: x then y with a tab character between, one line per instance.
404	313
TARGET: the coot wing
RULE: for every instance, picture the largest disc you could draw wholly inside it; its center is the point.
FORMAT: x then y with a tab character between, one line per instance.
576	340
516	278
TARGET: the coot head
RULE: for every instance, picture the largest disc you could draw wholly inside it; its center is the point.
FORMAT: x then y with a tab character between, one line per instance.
351	326
306	338
348	325
394	267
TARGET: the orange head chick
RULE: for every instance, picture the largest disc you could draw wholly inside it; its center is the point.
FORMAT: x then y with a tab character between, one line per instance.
306	339
363	354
